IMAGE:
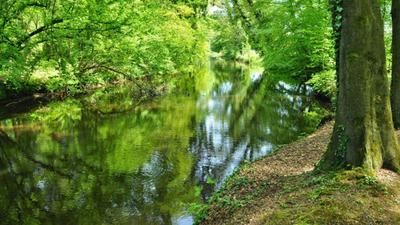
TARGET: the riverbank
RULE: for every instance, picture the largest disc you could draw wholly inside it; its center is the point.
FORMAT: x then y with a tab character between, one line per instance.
281	189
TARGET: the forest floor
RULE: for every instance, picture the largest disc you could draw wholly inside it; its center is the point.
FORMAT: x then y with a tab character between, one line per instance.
281	189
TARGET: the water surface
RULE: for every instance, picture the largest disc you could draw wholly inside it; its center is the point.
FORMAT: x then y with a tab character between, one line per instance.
105	159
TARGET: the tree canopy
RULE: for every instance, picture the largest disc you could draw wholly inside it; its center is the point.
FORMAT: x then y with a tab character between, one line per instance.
67	45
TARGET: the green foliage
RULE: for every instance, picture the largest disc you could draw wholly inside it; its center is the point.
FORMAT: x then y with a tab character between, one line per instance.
68	45
386	7
197	190
210	181
229	37
294	37
200	211
341	151
324	83
317	114
368	180
229	201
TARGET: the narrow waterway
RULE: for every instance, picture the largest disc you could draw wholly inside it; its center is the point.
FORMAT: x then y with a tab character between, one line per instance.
104	159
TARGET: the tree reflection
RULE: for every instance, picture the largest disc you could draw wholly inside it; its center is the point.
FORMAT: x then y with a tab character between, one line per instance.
246	121
104	159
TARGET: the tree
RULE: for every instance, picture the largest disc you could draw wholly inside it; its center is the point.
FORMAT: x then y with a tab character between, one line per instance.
395	88
291	35
56	45
363	135
229	37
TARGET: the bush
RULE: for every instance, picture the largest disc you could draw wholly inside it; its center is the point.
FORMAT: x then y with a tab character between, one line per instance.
324	83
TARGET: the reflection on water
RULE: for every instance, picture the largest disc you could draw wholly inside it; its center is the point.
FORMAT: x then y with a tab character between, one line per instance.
102	159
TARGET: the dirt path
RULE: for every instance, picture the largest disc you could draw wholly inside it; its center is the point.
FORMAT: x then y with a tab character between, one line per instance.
280	189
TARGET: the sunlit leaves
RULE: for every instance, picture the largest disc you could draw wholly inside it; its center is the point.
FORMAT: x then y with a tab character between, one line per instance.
89	40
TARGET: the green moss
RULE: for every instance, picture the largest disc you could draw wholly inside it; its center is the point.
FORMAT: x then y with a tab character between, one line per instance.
352	58
338	197
354	174
281	214
363	21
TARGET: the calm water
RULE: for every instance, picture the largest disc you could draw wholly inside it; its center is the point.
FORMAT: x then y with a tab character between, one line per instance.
103	159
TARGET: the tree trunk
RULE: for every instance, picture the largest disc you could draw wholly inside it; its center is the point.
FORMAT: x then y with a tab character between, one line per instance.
364	134
395	90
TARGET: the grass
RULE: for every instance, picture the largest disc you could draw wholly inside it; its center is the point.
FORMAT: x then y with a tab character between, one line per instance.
341	197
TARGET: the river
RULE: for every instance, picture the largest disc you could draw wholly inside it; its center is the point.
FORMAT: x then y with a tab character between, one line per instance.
105	159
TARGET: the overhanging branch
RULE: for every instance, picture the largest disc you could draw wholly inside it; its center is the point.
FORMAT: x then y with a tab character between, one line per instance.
150	92
38	31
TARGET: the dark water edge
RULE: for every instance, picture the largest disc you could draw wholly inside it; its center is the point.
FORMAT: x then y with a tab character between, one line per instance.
105	159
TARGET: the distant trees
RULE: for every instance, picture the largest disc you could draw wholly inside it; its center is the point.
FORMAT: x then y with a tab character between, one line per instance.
229	38
293	37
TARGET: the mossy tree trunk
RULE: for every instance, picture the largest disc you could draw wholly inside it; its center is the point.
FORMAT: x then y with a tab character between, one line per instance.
395	90
364	134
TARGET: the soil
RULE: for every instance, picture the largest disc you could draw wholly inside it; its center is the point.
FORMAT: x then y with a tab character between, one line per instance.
283	188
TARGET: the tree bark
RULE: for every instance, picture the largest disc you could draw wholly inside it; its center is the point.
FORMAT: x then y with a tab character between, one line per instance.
364	134
395	88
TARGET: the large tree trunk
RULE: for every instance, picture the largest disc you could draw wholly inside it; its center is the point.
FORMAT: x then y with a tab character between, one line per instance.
395	90
363	134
